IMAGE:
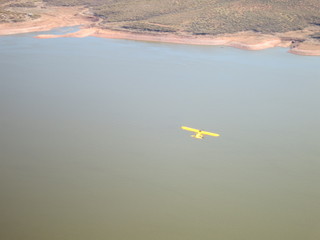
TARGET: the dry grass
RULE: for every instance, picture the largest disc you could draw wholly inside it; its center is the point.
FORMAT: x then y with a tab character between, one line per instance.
199	17
16	11
212	16
12	17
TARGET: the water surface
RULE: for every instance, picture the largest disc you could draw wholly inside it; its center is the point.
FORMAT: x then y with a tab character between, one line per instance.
91	145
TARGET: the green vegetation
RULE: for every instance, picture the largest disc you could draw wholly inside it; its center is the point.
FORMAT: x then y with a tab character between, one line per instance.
316	35
23	5
7	16
200	17
204	16
147	27
11	11
11	16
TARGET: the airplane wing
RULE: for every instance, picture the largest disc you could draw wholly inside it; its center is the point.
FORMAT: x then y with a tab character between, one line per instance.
190	129
210	134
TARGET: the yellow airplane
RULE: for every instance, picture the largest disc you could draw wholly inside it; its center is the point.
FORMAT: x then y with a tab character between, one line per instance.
199	134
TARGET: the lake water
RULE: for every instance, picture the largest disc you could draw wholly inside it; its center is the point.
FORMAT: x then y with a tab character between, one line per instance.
91	145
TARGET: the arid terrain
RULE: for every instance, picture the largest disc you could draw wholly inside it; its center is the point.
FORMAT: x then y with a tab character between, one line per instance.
248	24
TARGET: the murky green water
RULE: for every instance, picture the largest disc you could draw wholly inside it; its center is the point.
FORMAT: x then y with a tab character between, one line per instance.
91	145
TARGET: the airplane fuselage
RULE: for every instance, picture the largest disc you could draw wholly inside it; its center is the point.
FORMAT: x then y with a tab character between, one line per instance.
198	135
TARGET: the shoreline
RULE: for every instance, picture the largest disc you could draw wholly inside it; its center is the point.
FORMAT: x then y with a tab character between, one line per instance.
56	17
244	40
53	17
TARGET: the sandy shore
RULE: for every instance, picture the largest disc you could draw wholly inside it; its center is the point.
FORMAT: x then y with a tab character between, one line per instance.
307	49
54	17
245	40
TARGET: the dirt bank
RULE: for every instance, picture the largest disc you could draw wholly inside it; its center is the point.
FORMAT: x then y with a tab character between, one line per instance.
244	40
53	17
